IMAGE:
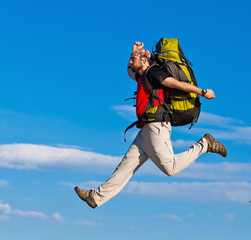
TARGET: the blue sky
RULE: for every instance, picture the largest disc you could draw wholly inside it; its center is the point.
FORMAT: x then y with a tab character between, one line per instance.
62	118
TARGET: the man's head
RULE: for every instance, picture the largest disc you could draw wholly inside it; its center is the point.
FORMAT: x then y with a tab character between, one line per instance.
139	60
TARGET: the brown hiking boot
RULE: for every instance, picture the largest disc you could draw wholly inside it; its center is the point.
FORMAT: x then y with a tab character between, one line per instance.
86	196
214	146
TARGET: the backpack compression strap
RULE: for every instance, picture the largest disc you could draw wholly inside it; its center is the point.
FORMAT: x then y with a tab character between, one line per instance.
146	83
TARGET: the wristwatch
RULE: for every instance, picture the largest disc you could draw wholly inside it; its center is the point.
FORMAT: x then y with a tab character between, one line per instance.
203	92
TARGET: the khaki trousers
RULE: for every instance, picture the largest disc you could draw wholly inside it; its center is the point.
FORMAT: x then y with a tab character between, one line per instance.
153	141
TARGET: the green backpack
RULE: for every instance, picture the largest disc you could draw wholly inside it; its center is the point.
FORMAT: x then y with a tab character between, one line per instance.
184	108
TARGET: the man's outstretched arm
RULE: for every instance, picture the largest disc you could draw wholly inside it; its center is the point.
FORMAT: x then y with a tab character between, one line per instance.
186	87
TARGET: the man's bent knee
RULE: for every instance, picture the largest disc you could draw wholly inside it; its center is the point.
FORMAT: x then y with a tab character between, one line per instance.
169	173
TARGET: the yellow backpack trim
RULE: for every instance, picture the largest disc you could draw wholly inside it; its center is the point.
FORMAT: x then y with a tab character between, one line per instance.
169	54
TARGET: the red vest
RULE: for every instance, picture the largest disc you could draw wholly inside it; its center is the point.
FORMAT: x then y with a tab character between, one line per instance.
143	95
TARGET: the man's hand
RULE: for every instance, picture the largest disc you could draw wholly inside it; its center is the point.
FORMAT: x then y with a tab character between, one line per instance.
209	94
137	46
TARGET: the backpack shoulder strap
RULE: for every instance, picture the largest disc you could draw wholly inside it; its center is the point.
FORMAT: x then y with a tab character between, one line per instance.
146	83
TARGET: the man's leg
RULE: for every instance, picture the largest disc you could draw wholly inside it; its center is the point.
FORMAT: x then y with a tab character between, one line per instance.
133	159
158	147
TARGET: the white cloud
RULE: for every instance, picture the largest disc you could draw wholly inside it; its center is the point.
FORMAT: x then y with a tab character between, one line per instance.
126	111
182	143
87	223
235	133
236	192
192	192
5	208
32	157
29	214
57	217
172	217
216	120
218	171
221	128
6	212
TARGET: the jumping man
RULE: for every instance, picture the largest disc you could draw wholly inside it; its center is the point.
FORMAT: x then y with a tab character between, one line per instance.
153	140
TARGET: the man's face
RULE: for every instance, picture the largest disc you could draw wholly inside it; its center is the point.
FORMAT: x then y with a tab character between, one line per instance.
135	63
